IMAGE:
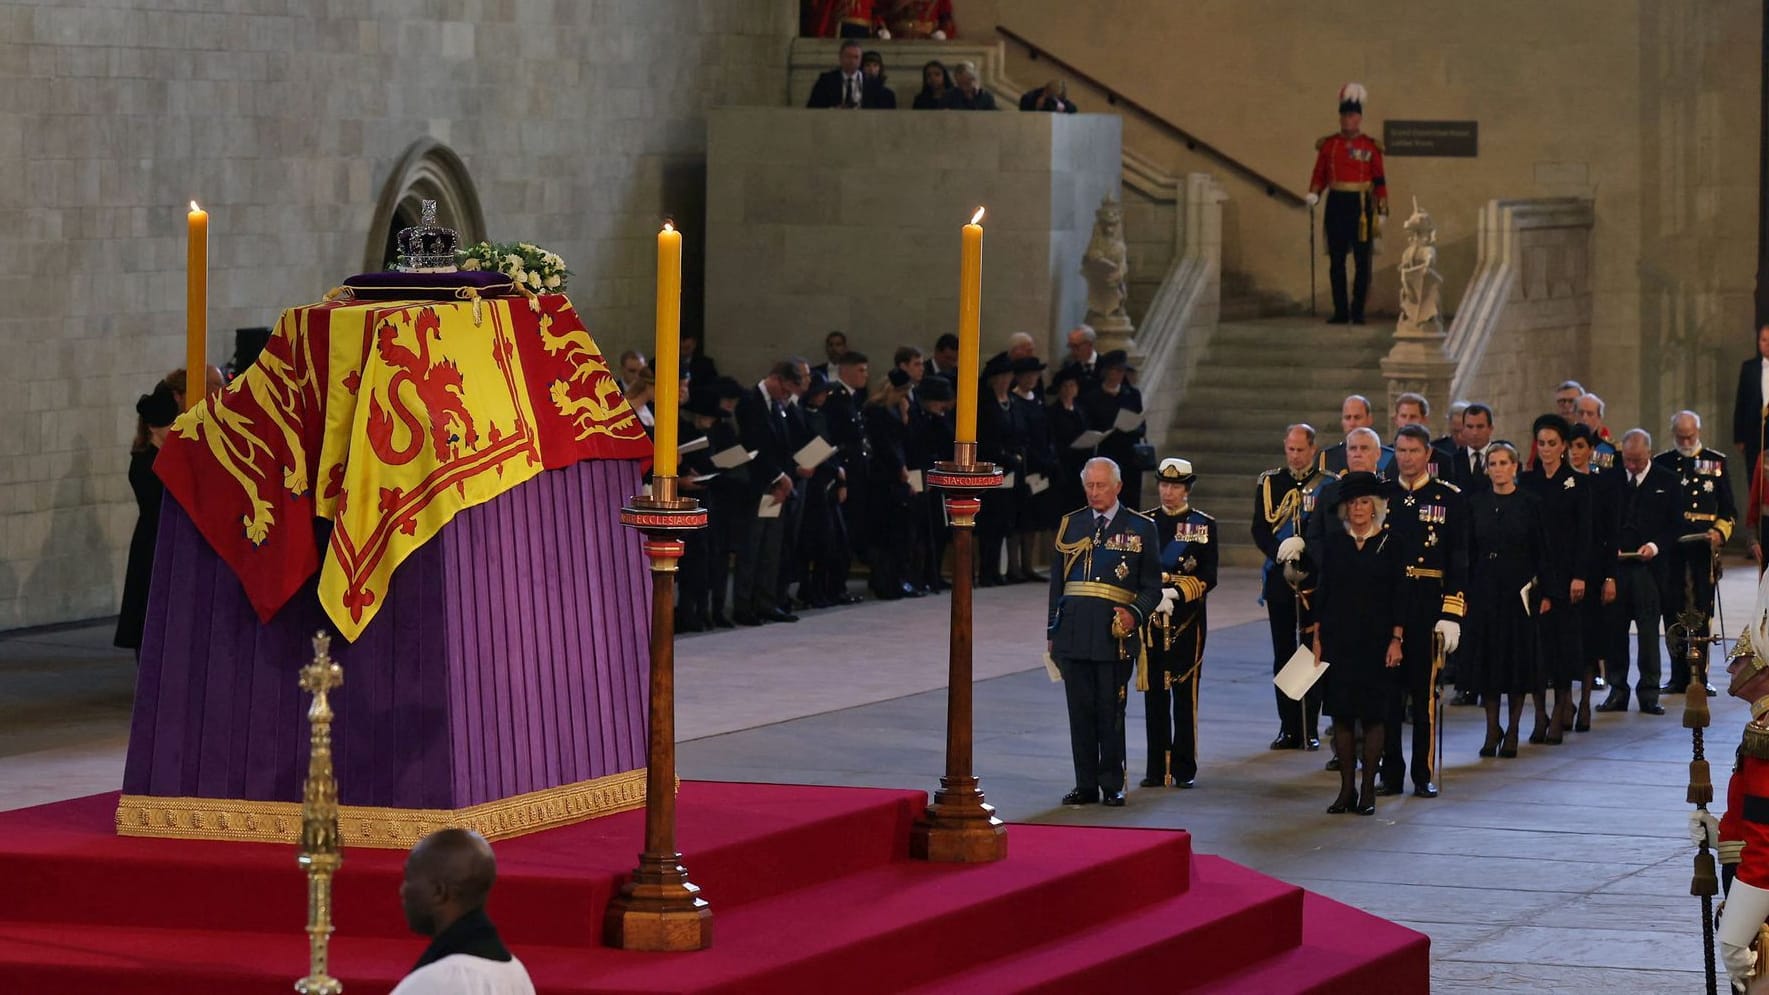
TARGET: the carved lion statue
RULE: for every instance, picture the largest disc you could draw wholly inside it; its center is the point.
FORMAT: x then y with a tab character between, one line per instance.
1105	265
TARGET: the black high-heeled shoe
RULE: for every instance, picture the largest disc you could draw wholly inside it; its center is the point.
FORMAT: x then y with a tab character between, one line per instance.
1490	748
1366	803
1538	737
1343	804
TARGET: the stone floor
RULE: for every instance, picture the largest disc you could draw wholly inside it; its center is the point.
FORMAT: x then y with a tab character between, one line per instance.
1566	869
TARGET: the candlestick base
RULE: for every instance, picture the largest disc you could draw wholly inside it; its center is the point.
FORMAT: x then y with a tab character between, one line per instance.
659	910
958	828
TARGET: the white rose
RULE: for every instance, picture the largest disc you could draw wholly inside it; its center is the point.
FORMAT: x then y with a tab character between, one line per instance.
553	282
513	260
534	279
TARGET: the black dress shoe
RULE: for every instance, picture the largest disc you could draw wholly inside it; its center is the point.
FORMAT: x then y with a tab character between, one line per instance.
1339	319
1311	744
779	616
887	594
1426	790
1332	763
849	599
1711	691
1653	709
1151	782
911	591
1190	782
690	624
1668	688
1034	577
1079	797
1388	788
1465	698
1285	741
719	619
1613	705
1115	799
990	582
744	618
1358	320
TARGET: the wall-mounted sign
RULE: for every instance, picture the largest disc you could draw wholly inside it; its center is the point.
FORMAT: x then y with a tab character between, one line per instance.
1431	138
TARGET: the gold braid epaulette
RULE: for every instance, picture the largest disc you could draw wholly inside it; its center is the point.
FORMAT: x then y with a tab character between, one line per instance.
1756	742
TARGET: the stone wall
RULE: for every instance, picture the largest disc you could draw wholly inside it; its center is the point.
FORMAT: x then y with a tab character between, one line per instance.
582	124
1531	297
820	220
1649	109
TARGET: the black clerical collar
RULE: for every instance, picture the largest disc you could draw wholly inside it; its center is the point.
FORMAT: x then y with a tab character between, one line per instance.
473	935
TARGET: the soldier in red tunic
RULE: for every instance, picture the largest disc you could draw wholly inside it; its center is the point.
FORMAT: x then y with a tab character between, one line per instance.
846	19
913	19
1348	167
1743	837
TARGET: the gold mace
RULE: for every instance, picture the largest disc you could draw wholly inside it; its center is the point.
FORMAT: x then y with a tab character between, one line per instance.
320	850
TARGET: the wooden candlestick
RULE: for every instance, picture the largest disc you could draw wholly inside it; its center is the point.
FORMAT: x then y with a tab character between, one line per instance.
659	909
959	827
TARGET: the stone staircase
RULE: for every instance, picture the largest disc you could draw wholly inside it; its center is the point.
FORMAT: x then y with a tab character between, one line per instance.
1255	378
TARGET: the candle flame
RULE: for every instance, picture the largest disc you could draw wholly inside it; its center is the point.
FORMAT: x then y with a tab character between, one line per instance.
669	226
977	216
194	207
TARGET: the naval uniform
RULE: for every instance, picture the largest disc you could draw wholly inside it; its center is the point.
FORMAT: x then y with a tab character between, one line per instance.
1104	560
1428	523
1176	643
1283	503
1706	503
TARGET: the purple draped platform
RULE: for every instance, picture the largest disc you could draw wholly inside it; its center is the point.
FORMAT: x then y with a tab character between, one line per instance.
510	656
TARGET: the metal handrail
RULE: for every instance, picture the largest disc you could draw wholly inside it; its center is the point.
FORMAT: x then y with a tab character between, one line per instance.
1271	187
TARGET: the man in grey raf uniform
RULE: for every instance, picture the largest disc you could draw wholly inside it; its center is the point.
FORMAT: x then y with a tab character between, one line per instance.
1104	585
1175	634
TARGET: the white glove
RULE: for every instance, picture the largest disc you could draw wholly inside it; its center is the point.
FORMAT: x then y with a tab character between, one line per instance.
884	34
1290	550
1169	598
1451	633
1746	908
939	36
1704	827
1312	199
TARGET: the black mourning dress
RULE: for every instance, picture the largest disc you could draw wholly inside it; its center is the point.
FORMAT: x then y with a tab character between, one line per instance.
139	574
1357	613
1507	549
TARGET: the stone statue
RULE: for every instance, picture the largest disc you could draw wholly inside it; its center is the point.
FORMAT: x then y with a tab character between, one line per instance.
1419	280
1106	267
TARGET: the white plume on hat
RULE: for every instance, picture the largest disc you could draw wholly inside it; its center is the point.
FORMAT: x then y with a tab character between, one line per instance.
1353	92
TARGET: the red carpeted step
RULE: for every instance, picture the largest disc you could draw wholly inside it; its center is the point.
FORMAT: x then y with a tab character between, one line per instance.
1230	917
879	930
891	928
743	842
1344	951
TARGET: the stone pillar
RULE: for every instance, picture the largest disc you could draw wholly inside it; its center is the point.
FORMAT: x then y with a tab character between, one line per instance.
1419	364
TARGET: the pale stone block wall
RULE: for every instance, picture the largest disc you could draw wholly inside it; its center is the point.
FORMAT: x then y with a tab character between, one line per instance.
822	220
582	125
1547	313
1651	110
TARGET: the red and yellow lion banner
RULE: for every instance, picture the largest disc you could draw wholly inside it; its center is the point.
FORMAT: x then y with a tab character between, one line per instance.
387	418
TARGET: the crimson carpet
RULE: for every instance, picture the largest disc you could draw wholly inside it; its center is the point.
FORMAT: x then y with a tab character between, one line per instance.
812	889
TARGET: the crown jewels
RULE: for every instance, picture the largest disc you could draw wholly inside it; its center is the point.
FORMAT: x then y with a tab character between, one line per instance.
427	248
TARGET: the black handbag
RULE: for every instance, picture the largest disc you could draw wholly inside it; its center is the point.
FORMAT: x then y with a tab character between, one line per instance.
1143	457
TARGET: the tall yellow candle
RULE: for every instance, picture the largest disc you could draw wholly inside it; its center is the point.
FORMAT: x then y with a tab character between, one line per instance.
970	309
196	308
668	357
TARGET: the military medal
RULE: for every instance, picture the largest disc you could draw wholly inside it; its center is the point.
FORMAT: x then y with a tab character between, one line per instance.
1122	570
